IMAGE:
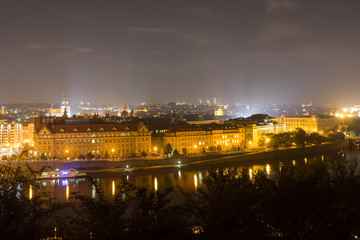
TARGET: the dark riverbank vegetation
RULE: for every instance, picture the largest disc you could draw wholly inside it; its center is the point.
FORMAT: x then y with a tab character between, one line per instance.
300	138
316	200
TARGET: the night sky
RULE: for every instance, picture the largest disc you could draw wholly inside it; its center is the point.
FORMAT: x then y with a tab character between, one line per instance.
282	51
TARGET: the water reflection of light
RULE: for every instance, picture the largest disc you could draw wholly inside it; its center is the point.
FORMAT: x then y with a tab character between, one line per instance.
250	173
18	193
113	187
77	182
267	169
65	183
155	184
44	184
179	173
294	162
305	160
127	177
67	192
322	157
200	178
30	192
195	181
93	192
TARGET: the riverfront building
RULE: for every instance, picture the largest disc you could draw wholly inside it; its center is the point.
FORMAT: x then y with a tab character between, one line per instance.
72	138
320	124
307	123
14	134
258	129
257	135
200	138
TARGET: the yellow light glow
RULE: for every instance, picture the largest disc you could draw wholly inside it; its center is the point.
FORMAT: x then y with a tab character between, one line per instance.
113	187
305	160
66	151
195	146
294	162
67	192
268	169
267	140
195	182
250	174
155	184
113	150
30	192
250	142
155	148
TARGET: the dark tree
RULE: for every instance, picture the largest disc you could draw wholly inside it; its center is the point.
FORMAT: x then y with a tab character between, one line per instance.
203	151
168	149
184	151
89	155
334	137
143	154
316	138
300	137
176	152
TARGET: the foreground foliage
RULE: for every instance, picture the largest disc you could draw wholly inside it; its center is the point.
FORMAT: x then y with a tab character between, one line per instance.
318	200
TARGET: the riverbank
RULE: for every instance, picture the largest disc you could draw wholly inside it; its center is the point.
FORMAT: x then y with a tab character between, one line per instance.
143	164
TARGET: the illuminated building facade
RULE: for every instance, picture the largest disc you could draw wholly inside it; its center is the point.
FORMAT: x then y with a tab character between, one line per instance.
71	138
3	110
196	139
65	106
257	135
307	123
13	136
258	129
59	112
10	133
27	132
219	112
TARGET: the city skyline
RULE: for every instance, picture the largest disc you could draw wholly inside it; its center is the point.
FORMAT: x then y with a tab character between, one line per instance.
159	52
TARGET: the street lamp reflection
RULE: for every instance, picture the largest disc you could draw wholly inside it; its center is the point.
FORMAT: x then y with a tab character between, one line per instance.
113	187
195	182
155	184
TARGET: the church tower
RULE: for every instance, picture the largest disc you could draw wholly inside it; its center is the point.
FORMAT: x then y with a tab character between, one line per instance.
65	105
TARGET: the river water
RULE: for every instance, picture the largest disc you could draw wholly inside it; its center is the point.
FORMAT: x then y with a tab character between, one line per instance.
186	177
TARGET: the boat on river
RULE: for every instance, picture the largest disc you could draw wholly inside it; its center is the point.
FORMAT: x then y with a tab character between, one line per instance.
62	174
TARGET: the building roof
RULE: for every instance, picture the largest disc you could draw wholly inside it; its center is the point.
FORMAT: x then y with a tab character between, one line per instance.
91	127
202	127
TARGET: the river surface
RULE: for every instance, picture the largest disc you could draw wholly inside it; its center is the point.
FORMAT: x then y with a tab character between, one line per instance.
186	177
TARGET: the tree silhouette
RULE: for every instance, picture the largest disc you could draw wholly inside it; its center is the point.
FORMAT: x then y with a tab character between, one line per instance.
168	149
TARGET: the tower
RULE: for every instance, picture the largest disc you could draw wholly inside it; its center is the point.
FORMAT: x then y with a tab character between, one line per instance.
65	105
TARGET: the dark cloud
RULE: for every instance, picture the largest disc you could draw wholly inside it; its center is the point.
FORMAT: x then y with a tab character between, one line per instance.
274	31
145	30
205	12
275	5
